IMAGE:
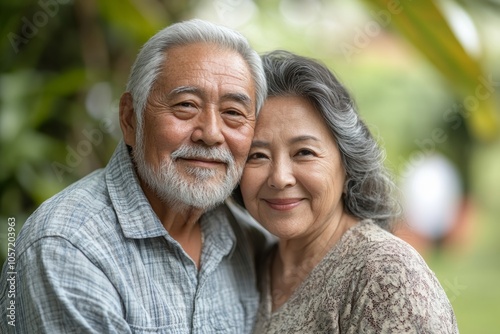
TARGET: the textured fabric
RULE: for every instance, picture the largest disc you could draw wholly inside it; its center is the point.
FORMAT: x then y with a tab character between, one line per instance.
370	282
96	259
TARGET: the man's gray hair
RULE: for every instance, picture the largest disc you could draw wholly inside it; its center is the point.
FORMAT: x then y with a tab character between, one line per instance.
368	188
150	60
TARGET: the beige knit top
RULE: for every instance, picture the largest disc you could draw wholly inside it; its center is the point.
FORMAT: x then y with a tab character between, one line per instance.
370	282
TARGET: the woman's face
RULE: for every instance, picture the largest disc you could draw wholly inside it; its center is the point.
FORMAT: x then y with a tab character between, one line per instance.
293	180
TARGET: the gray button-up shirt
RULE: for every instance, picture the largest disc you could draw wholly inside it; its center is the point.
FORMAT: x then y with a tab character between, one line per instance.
96	259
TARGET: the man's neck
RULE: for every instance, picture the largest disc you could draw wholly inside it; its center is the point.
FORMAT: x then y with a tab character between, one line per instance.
181	222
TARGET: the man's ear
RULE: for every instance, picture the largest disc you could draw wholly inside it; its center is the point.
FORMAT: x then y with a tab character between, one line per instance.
127	119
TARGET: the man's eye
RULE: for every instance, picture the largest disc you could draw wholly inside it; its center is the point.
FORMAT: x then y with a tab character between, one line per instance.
186	105
233	112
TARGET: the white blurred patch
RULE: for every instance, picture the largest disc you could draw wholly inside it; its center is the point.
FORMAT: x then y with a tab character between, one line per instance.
432	191
99	100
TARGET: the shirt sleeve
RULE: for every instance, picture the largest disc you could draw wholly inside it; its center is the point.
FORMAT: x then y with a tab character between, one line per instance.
61	291
398	293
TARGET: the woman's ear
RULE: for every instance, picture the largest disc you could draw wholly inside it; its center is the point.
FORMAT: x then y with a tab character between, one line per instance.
346	186
128	121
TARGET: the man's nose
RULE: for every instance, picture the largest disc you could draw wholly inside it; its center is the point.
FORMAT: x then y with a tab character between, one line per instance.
208	129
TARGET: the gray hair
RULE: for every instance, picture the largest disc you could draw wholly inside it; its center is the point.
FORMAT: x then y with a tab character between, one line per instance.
368	186
151	58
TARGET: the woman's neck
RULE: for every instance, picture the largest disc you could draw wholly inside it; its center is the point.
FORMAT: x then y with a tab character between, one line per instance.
296	258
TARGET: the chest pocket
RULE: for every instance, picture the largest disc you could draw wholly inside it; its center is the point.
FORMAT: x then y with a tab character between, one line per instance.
232	318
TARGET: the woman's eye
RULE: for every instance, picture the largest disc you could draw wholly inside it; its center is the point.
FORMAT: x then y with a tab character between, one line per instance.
305	152
256	156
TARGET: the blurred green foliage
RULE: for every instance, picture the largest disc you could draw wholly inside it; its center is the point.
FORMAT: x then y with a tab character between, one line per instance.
425	26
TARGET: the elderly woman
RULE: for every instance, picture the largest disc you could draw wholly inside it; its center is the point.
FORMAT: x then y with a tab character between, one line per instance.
315	179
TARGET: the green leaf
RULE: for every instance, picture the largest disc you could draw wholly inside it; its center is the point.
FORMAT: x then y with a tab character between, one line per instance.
424	26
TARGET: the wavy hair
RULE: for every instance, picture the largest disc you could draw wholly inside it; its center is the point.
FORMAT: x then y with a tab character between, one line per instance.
368	188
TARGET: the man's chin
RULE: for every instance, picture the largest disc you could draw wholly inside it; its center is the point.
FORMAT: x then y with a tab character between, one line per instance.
203	175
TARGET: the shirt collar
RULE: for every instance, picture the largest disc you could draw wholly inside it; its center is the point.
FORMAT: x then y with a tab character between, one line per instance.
135	215
218	228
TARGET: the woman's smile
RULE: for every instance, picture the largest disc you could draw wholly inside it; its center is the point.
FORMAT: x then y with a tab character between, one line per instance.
283	204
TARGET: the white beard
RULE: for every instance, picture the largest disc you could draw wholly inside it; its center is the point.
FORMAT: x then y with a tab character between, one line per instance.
208	188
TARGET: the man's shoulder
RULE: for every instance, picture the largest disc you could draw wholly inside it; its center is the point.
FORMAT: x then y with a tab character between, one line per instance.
66	212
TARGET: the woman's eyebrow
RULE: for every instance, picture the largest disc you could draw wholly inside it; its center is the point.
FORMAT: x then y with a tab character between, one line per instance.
260	143
264	144
302	138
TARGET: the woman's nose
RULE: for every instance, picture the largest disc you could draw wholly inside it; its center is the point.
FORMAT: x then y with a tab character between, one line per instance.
281	175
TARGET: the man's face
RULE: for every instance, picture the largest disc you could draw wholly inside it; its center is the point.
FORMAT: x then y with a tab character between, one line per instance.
197	127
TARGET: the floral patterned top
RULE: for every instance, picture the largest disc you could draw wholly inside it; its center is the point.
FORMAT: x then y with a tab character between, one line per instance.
370	282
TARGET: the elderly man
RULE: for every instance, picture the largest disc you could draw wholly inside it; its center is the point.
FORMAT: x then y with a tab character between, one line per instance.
145	245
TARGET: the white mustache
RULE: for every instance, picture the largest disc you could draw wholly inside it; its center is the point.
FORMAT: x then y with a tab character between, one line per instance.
202	152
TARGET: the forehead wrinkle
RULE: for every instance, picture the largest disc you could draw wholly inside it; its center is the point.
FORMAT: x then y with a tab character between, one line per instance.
212	60
217	67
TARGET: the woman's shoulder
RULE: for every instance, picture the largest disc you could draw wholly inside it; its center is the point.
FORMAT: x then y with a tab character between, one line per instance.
370	257
393	282
390	260
366	247
371	243
368	254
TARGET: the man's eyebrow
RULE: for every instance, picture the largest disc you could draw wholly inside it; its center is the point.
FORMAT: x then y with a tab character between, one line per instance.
184	89
238	97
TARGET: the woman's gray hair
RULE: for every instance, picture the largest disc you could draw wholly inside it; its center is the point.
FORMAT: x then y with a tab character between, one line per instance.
150	60
368	188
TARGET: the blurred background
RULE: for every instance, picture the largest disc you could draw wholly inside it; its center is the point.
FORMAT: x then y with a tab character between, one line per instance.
425	75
